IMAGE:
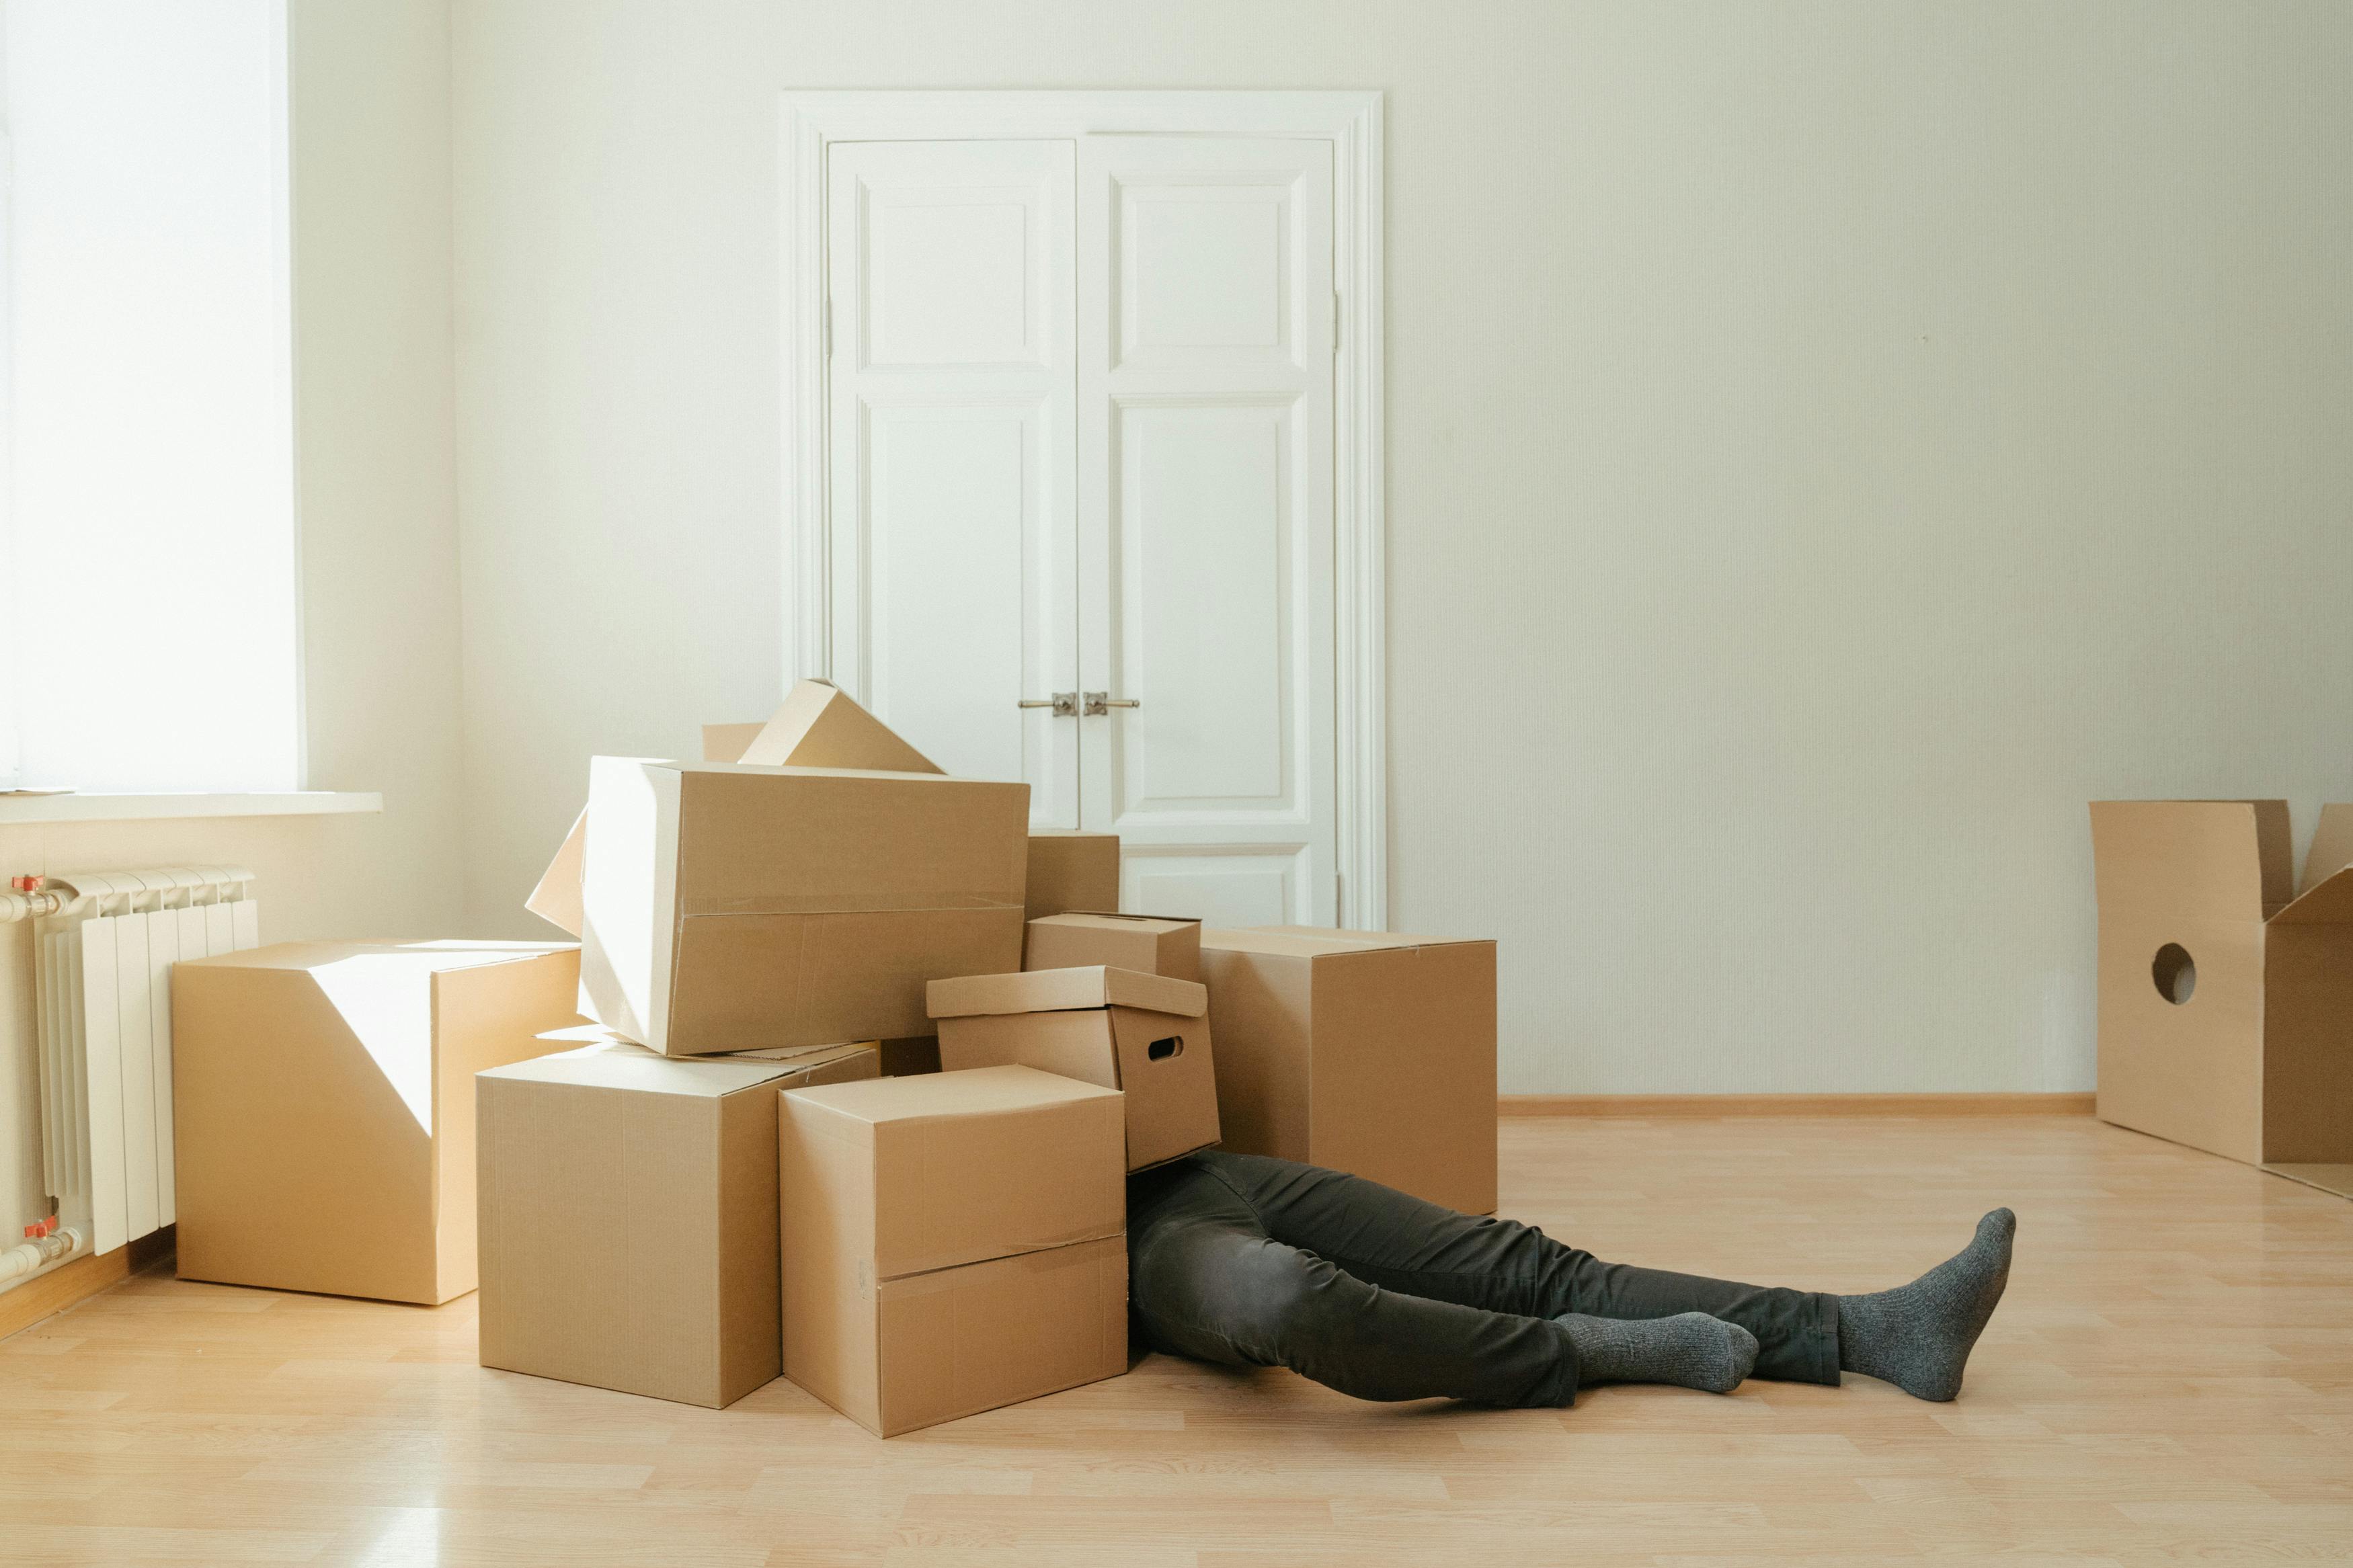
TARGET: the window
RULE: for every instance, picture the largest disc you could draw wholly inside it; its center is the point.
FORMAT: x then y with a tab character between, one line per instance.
149	552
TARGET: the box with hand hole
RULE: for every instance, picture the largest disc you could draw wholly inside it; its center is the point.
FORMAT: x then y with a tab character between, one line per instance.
1146	1036
2226	987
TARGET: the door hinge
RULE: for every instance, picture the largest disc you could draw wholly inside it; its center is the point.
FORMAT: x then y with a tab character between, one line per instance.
825	327
1336	322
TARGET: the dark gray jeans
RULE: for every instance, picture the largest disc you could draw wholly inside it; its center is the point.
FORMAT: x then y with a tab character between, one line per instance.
1261	1262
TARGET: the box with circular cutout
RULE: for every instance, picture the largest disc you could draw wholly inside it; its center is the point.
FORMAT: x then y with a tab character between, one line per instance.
2226	986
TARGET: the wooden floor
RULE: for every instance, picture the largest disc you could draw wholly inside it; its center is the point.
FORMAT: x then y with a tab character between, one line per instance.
2169	1381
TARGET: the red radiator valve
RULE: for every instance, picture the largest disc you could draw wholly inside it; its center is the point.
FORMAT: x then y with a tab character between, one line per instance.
28	884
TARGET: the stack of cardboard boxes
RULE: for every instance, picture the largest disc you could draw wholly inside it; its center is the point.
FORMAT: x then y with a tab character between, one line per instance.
869	1065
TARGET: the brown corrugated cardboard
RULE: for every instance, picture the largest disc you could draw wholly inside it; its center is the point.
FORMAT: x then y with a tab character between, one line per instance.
1145	1034
732	907
727	742
1073	871
2226	991
1076	939
817	726
628	1213
951	1243
556	899
1361	1051
323	1106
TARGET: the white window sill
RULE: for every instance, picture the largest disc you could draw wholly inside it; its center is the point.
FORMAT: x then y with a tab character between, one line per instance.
34	808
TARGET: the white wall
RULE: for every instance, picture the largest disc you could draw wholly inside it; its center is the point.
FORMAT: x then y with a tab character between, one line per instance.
1830	443
369	125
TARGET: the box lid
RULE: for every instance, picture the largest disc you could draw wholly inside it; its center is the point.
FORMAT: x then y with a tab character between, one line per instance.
1105	919
977	1091
1066	990
1315	941
618	1065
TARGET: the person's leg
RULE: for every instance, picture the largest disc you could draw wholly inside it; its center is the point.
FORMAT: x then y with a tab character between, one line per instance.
1918	1336
1206	1281
1397	1242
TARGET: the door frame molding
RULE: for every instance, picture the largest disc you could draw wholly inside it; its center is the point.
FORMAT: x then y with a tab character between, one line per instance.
1351	121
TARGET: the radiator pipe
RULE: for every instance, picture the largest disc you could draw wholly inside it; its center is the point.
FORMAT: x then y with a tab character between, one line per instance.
29	1254
30	896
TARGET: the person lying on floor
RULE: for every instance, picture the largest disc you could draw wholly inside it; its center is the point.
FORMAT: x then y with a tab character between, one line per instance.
1253	1261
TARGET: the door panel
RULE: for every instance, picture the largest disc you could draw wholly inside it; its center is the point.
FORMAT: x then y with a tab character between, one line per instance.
1248	886
1205	510
1203	537
946	526
951	451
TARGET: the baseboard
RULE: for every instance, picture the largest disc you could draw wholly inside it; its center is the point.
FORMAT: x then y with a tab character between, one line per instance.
49	1294
1674	1105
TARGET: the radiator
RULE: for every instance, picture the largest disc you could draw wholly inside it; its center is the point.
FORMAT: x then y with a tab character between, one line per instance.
102	961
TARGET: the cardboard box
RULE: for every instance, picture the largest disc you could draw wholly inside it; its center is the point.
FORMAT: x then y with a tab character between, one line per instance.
1360	1051
323	1106
2226	991
729	907
1073	871
815	726
629	1221
727	742
1145	1034
951	1243
1149	944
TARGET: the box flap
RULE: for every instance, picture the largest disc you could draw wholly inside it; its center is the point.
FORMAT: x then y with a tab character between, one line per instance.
728	742
1313	941
556	899
1065	990
981	1091
2332	847
617	1064
819	726
2219	859
2330	904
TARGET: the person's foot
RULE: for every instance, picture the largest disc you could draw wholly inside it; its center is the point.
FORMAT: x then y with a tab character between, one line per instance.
1918	1336
1690	1349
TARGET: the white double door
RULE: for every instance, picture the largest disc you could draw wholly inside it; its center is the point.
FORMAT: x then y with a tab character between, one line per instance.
1080	406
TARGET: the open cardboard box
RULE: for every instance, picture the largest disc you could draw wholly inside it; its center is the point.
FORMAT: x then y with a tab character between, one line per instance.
2226	986
323	1098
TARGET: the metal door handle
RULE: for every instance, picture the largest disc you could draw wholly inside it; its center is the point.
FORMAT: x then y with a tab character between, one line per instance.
1065	704
1101	702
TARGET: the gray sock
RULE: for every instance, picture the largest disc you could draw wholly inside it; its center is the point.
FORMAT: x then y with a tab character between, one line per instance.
1690	1349
1918	1336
